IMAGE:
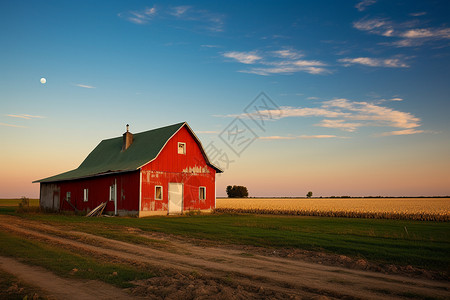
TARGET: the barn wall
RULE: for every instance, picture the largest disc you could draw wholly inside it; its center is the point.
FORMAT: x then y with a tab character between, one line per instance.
190	169
49	197
98	192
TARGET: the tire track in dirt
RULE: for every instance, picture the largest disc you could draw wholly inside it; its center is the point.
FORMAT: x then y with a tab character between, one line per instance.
145	256
284	275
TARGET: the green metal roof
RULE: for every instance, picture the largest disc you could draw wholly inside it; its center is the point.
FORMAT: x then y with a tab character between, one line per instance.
108	156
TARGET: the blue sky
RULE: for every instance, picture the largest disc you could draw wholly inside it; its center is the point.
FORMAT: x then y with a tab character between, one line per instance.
359	90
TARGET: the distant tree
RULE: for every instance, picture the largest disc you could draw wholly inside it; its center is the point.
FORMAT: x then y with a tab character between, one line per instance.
229	188
237	191
309	195
242	192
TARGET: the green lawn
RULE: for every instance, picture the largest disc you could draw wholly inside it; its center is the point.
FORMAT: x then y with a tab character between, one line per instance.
423	244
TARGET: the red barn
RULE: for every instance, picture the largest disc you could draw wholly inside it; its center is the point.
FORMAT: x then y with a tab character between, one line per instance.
156	172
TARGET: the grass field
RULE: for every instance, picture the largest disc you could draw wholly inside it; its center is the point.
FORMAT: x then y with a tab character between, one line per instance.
63	262
15	202
400	242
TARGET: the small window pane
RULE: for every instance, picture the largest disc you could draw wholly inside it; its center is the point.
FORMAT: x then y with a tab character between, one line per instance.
68	196
158	192
181	148
112	193
202	193
85	195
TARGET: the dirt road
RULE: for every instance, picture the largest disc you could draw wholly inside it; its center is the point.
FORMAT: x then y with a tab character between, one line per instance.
220	272
61	288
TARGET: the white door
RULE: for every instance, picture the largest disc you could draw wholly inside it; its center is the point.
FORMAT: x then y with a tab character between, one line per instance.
175	198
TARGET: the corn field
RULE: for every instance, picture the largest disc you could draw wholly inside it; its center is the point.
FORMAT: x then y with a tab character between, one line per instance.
423	209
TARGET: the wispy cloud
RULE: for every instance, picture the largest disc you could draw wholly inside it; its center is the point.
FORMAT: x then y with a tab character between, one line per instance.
375	62
408	34
373	114
209	20
289	111
20	116
418	14
276	137
25	116
340	124
11	125
372	25
210	46
243	57
288	53
179	11
139	17
401	132
284	61
85	86
186	13
349	116
361	6
306	137
396	99
321	136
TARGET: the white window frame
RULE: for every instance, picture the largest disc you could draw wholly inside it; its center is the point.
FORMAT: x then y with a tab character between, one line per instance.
200	192
156	187
85	195
68	196
184	148
112	192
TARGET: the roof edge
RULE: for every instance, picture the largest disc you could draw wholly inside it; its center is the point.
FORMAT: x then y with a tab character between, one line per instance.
83	177
197	140
181	126
219	170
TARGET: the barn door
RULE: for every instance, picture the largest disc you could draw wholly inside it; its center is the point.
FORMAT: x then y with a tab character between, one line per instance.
55	204
175	198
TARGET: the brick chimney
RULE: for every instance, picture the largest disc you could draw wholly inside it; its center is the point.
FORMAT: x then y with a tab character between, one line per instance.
127	139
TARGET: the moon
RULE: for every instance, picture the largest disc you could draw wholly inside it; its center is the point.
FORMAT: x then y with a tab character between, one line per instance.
43	80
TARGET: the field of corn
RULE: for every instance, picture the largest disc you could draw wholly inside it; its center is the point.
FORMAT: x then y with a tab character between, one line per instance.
424	209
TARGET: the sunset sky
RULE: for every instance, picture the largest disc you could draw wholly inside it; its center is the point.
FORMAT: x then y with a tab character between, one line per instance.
334	97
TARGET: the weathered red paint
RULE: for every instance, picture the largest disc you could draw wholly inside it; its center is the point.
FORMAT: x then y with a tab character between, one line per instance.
190	168
98	187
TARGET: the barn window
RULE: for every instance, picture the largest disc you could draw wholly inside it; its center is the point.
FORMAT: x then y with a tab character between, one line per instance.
85	195
68	196
158	192
112	193
181	148
202	193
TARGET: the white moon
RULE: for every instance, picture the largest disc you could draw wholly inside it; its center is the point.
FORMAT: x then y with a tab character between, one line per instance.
43	80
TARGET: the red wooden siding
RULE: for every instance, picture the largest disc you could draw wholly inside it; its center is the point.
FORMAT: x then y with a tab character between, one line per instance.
127	192
190	169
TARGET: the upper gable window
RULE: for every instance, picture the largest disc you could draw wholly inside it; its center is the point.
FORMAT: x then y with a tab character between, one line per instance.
181	148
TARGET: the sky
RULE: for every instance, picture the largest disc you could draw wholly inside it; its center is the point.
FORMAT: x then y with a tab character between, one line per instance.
334	97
